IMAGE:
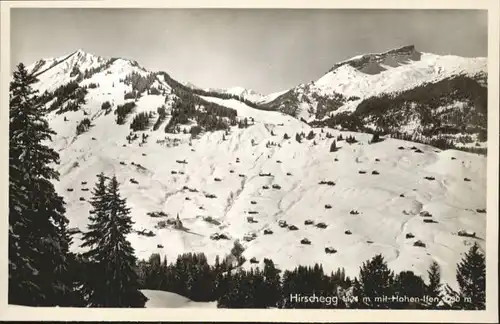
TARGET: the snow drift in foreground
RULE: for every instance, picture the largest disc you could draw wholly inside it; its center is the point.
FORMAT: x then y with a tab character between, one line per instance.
160	299
165	299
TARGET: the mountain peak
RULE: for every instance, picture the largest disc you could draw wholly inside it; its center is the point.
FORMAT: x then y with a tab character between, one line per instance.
83	56
402	49
375	63
80	52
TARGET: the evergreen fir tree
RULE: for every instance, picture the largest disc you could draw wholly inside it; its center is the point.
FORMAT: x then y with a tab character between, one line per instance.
113	281
471	277
407	286
482	135
231	295
39	273
271	294
83	126
219	282
256	281
106	105
124	282
356	294
433	289
375	138
287	288
97	217
93	238
376	280
333	147
140	121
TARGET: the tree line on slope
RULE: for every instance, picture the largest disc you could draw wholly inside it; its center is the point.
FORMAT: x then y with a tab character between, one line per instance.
73	93
89	72
442	141
200	92
68	97
426	104
289	102
141	121
43	272
187	108
208	115
122	111
140	84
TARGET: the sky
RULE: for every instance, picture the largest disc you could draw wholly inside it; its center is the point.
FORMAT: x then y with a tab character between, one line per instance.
267	50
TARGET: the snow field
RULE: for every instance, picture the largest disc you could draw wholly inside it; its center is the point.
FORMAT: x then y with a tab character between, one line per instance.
380	227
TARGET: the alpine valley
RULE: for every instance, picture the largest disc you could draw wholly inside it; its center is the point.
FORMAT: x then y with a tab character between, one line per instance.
385	153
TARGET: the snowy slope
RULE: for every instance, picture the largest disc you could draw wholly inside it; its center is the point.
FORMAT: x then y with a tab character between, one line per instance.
258	115
270	97
384	216
381	220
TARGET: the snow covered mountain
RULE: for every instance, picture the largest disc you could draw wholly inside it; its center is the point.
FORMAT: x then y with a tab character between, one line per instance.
249	94
246	94
237	168
429	94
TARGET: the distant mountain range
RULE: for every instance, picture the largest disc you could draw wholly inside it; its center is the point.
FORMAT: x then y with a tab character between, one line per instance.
402	91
